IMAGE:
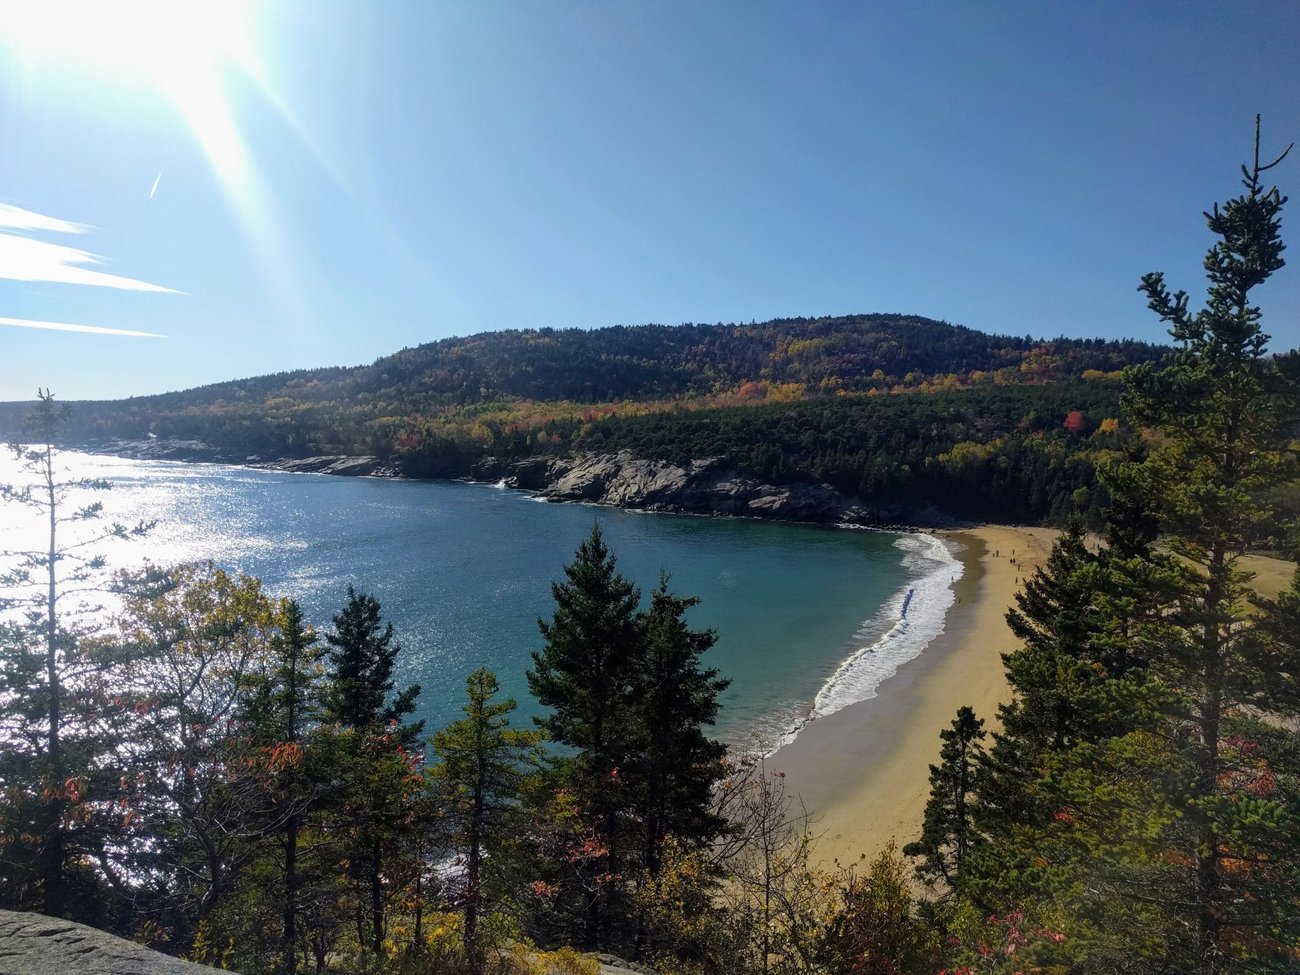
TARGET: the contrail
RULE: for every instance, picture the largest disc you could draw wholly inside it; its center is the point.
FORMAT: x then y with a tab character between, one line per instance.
72	327
154	189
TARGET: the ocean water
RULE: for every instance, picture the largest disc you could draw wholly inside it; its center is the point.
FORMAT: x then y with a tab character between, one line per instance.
809	619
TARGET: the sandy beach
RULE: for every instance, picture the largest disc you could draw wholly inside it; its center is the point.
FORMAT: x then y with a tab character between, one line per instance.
864	771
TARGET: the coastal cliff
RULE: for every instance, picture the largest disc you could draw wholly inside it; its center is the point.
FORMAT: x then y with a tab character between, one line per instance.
198	452
706	486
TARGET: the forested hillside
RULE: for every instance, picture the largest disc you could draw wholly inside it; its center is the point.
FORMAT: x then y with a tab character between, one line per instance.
895	410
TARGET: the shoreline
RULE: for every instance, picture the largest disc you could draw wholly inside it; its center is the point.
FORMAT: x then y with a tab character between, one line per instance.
863	771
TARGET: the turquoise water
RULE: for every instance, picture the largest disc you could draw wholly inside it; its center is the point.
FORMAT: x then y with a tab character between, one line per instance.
464	571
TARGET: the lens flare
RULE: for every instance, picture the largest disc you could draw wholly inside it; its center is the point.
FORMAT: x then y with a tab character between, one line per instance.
188	51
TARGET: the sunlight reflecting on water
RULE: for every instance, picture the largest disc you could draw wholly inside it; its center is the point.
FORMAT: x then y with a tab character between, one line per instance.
464	571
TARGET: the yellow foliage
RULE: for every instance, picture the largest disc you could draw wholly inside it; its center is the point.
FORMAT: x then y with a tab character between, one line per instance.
566	961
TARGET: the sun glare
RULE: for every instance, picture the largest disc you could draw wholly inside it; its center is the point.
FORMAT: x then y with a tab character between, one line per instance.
182	47
188	51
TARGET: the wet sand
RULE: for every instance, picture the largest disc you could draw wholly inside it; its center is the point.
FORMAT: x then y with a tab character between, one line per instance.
864	771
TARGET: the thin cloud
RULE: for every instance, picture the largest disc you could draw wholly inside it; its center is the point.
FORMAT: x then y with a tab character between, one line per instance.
24	259
72	327
16	218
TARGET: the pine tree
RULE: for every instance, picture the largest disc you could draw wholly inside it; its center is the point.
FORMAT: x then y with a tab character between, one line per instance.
51	673
675	765
948	833
279	710
478	782
585	674
372	754
360	671
1075	677
1161	794
1226	417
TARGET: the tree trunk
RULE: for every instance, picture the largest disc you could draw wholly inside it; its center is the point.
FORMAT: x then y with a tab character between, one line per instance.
377	902
289	965
51	826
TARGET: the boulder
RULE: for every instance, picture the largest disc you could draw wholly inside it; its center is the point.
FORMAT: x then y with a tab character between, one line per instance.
33	944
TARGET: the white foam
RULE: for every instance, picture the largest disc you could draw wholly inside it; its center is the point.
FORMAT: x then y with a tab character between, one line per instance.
902	628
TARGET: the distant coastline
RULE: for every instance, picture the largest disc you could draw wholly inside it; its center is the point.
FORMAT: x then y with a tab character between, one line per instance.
197	452
705	486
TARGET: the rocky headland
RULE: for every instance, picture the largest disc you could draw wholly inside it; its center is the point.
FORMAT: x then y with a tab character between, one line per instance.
198	452
707	486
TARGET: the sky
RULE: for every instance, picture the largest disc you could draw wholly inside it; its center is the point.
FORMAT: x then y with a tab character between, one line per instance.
198	191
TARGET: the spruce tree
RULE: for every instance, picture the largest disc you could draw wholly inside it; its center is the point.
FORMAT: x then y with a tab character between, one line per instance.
360	671
675	765
1225	418
948	834
585	673
279	710
1161	793
371	747
478	782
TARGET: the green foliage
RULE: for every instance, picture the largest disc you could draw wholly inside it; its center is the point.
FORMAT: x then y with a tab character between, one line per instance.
192	792
630	697
1142	791
584	671
478	783
376	803
1226	415
360	677
875	930
948	833
821	394
999	453
673	764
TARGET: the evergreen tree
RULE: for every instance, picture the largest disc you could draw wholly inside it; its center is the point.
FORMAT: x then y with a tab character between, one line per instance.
378	784
279	710
948	834
585	673
52	677
1226	418
1068	677
360	671
675	765
482	768
1160	796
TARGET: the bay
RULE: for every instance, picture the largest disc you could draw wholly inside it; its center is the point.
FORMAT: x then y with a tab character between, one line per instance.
808	618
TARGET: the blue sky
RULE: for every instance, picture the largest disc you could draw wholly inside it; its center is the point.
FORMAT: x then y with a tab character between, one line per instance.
277	185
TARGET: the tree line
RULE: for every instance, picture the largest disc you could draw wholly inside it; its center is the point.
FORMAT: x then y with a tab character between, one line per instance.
440	409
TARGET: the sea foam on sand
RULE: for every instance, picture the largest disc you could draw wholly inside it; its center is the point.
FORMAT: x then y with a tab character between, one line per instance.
898	632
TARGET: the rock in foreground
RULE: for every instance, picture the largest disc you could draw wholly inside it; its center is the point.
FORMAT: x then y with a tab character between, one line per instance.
33	944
